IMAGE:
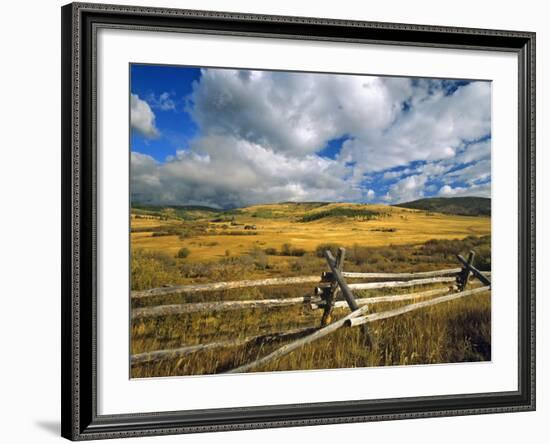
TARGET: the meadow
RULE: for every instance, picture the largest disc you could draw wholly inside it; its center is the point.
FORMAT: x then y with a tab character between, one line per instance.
190	245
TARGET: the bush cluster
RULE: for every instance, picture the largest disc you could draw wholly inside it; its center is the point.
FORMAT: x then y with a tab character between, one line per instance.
183	253
356	213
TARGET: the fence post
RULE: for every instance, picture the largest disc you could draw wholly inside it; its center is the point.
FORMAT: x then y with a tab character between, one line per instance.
348	295
330	292
463	277
478	274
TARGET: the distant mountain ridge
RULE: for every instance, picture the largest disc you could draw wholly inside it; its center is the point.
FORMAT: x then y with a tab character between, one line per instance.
154	207
460	206
310	211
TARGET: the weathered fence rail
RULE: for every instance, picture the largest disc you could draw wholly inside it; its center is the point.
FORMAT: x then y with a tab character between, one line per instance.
353	319
178	289
158	355
193	307
196	288
401	284
328	288
315	303
386	298
359	320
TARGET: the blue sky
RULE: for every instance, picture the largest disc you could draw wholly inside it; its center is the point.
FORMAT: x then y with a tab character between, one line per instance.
175	125
229	138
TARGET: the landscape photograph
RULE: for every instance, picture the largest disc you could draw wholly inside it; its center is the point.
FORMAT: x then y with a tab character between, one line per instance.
294	221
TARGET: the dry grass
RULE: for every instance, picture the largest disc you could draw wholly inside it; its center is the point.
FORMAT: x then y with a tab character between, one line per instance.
457	331
410	227
396	240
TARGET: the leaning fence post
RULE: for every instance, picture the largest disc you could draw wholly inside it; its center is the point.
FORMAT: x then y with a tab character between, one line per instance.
348	295
463	277
478	274
330	292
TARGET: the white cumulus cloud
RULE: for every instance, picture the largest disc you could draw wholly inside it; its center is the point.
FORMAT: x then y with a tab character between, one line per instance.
142	118
230	172
407	189
261	134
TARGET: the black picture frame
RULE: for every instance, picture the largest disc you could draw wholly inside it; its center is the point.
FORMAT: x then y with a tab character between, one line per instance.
80	420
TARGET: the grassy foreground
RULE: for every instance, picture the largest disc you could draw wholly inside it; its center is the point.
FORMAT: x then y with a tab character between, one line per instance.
452	332
183	246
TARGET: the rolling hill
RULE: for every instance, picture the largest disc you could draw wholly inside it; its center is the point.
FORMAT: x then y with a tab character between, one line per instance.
460	206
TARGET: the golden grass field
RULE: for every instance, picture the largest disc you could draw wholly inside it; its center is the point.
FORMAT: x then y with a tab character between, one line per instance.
282	240
411	227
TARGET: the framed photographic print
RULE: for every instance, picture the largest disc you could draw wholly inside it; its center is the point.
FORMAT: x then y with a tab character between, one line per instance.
279	221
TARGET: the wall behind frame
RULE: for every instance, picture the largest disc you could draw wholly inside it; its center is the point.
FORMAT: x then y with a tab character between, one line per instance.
30	223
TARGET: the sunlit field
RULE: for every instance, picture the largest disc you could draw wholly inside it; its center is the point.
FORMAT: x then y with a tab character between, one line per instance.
189	245
210	236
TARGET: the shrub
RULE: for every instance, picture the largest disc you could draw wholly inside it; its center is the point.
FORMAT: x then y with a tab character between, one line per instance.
183	253
285	249
297	251
307	263
259	259
162	233
385	229
483	258
320	250
289	250
297	265
356	213
141	229
359	255
241	233
152	269
271	251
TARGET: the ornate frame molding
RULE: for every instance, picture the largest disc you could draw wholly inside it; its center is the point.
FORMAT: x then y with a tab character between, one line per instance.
79	395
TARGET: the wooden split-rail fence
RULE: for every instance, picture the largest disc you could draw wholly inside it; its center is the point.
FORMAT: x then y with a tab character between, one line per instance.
332	291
